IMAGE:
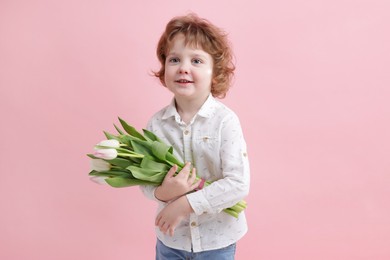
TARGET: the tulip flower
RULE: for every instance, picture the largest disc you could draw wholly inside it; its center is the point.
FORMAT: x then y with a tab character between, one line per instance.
99	179
112	143
107	154
100	165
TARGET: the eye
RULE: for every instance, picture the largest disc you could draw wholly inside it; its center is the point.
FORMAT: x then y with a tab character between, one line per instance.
173	60
197	61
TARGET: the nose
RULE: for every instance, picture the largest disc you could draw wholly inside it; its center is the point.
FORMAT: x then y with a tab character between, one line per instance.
184	68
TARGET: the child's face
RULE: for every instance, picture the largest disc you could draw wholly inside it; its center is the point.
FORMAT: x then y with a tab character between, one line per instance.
188	71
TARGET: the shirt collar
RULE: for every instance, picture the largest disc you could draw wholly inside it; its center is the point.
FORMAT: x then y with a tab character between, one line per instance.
207	110
170	111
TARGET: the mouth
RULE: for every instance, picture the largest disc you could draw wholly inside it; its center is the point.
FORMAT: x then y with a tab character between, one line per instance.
183	81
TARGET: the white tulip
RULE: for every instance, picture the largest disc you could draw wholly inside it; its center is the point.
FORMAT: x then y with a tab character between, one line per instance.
109	143
98	179
100	165
107	154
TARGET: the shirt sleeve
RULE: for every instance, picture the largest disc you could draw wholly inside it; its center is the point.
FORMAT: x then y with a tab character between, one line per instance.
234	184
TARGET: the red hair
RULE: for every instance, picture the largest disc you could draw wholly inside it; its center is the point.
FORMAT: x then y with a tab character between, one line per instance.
200	33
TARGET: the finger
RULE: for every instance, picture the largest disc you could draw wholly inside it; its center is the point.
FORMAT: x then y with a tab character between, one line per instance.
193	176
158	218
163	228
196	184
172	227
171	171
186	170
171	231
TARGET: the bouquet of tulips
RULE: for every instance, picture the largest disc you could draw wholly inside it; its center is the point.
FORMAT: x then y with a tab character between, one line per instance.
131	158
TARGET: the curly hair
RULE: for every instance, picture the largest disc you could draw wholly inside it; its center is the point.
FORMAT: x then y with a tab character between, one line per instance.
201	33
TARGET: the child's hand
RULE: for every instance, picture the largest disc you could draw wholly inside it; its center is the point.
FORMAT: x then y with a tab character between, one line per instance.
171	216
176	186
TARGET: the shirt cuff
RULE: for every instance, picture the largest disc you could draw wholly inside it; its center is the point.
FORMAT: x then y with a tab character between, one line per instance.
149	191
199	203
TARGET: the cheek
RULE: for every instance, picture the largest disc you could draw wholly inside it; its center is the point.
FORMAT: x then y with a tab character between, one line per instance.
210	74
168	73
207	74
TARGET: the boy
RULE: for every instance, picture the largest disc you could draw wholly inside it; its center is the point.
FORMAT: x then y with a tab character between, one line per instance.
196	66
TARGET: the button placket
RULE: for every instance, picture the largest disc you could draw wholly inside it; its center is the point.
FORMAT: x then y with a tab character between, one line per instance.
195	232
187	144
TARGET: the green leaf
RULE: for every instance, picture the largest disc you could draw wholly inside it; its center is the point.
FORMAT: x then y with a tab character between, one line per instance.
147	174
142	147
120	182
151	136
110	136
118	129
135	161
150	164
171	159
92	156
131	130
160	150
123	163
114	172
126	139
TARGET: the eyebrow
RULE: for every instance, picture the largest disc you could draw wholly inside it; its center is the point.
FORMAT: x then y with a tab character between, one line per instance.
194	53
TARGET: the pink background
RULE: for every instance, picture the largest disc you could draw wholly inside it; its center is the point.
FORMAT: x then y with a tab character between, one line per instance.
312	90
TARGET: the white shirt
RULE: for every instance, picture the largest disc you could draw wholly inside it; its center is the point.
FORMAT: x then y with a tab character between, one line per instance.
213	142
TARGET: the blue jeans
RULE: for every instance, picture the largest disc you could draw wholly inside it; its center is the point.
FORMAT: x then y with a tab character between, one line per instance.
166	253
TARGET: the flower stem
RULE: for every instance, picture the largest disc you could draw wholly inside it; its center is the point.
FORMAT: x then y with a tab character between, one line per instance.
131	155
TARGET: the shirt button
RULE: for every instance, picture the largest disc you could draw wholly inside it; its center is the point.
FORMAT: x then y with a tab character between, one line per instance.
193	224
186	132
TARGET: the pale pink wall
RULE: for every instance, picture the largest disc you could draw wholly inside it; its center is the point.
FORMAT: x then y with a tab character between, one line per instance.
312	90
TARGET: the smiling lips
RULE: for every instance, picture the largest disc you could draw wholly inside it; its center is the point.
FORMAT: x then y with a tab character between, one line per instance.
183	81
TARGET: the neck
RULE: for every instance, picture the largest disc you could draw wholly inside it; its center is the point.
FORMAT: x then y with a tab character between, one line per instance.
187	109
